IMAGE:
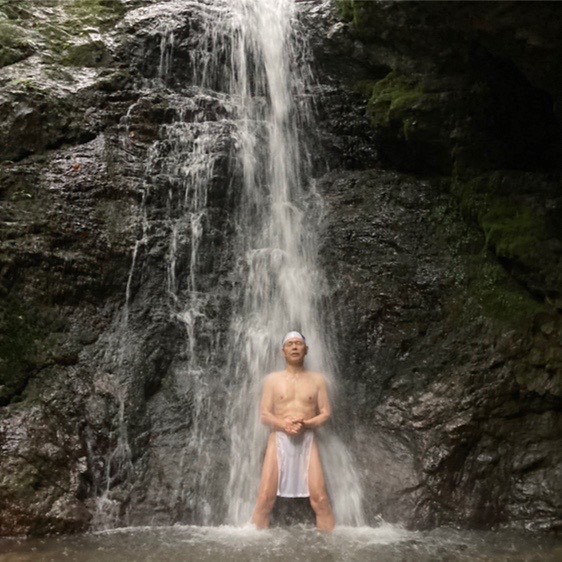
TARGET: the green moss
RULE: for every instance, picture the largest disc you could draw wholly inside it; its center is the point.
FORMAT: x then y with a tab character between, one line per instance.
511	230
393	97
19	10
410	116
365	87
499	297
92	54
24	84
96	12
362	13
59	28
14	44
18	333
492	291
345	8
514	231
402	102
11	35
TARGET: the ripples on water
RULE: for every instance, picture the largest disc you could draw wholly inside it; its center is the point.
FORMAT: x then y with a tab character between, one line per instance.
189	543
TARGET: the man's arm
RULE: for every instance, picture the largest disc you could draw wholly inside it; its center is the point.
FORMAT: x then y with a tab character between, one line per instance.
324	410
291	427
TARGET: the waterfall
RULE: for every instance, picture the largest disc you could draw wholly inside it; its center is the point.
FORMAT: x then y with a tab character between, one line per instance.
280	286
232	163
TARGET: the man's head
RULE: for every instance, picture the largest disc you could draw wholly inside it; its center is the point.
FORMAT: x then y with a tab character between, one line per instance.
294	348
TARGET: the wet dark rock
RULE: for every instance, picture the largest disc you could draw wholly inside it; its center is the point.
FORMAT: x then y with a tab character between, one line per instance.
446	358
69	189
42	467
440	377
15	45
467	94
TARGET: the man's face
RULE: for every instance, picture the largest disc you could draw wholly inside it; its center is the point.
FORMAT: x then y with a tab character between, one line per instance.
295	350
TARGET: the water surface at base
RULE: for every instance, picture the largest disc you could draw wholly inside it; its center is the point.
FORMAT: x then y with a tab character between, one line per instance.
385	543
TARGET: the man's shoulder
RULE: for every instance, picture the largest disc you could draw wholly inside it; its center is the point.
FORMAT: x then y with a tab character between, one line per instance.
273	376
319	377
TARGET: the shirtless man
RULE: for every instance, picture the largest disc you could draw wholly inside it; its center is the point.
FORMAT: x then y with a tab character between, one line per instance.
294	403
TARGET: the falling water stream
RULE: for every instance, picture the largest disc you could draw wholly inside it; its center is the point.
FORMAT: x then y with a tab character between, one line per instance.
276	239
247	110
249	59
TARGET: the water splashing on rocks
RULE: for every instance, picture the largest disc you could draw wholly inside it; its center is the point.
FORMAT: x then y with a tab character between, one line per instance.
226	259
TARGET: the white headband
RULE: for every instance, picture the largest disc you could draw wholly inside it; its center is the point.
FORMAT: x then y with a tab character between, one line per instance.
293	335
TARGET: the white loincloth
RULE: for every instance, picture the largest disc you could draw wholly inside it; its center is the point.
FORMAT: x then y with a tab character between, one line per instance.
293	458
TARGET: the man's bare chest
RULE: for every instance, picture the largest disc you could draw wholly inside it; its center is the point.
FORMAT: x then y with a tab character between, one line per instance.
290	390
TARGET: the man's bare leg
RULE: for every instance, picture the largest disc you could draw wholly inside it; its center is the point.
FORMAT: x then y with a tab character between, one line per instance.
318	495
268	486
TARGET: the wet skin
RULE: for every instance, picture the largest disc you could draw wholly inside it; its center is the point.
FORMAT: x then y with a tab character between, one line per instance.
293	401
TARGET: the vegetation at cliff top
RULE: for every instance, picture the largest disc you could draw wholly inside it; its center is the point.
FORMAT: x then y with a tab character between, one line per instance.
51	27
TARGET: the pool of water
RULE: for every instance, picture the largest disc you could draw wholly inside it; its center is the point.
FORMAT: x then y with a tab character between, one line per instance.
232	544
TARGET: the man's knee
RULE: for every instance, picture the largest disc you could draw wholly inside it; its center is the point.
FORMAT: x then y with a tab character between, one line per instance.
320	502
265	502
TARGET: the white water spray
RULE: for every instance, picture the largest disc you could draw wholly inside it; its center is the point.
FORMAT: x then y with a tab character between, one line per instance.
281	285
248	110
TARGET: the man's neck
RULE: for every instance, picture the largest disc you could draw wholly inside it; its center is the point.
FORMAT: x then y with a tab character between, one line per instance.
295	370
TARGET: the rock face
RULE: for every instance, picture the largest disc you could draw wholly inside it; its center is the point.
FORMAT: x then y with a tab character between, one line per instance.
446	391
442	241
448	288
88	194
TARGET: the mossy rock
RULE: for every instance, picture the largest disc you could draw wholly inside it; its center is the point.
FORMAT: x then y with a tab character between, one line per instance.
60	38
394	96
90	54
23	483
362	13
103	11
345	8
411	118
492	292
517	232
14	43
499	297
